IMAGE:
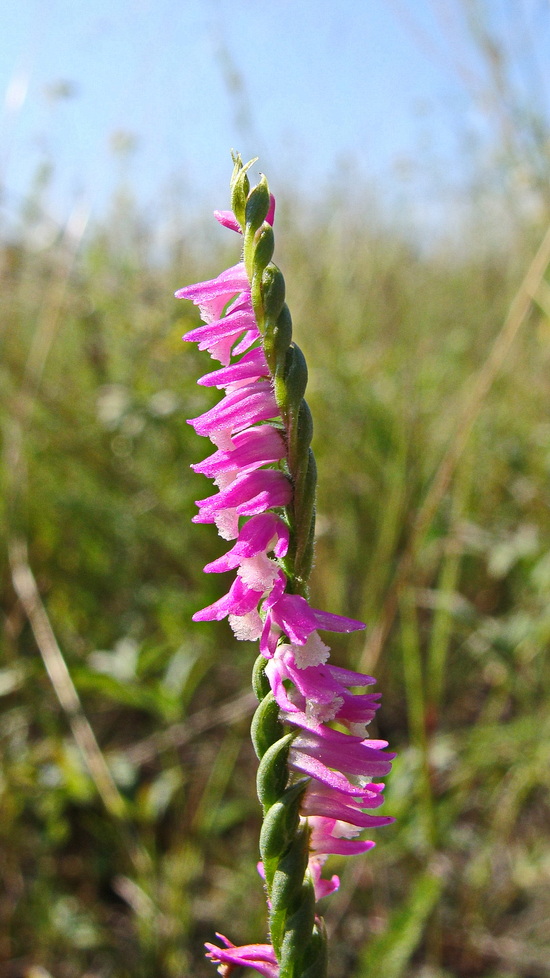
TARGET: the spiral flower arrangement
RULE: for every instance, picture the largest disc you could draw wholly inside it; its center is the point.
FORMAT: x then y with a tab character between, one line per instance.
318	775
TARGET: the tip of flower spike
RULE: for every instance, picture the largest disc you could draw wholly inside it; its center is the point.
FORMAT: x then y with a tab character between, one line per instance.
228	219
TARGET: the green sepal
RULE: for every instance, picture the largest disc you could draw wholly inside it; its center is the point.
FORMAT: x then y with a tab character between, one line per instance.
237	167
291	383
264	246
300	439
273	292
273	772
257	206
286	885
260	682
304	554
266	728
304	514
298	933
257	254
305	487
281	823
315	963
239	187
291	869
277	339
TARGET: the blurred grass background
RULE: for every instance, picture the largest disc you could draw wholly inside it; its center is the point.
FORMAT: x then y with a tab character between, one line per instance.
130	876
129	823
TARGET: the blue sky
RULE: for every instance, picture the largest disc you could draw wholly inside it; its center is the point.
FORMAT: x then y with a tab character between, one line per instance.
384	89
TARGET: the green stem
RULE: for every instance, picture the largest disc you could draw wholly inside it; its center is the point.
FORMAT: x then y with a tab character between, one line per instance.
446	588
298	937
416	709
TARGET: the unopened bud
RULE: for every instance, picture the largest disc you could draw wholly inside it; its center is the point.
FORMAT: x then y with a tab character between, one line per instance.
257	205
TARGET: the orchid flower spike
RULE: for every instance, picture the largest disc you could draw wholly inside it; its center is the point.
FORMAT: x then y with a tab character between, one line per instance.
317	764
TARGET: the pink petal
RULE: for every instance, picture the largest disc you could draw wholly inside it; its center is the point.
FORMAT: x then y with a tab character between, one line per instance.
212	296
260	957
228	219
316	769
336	623
349	678
231	325
294	617
298	620
250	493
239	409
250	447
339	750
270	217
248	339
261	534
239	600
321	886
344	847
324	804
252	366
371	796
220	335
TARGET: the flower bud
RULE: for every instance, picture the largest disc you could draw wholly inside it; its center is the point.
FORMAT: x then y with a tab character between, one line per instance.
280	824
290	387
264	246
277	339
240	186
273	292
272	774
257	206
266	728
298	931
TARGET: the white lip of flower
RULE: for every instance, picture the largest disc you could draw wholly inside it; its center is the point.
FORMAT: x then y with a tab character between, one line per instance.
246	628
362	781
359	730
227	523
259	572
313	653
343	830
222	439
225	479
323	712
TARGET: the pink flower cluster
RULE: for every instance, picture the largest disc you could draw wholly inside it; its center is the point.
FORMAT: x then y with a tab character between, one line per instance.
330	746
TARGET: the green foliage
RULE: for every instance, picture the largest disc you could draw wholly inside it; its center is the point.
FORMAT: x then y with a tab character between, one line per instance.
96	388
390	952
